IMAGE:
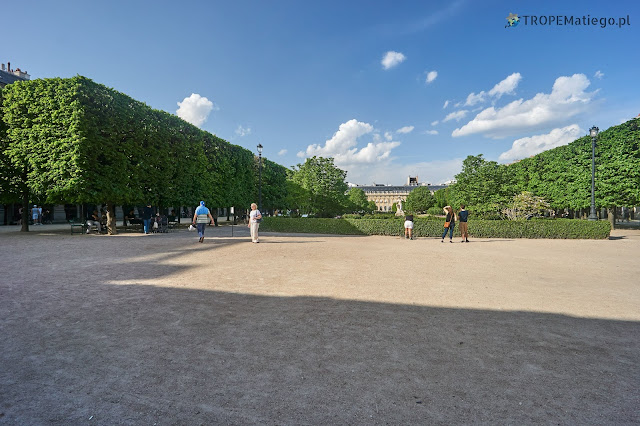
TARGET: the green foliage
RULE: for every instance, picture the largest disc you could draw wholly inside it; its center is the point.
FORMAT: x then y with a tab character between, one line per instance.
441	197
76	141
357	200
419	200
540	228
525	205
562	176
324	186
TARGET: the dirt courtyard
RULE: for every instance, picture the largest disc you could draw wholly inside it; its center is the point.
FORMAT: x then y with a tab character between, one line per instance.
317	329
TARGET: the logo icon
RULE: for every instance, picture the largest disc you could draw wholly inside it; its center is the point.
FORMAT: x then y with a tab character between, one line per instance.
512	20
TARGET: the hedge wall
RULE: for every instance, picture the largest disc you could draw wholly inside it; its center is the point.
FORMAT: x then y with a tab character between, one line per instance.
556	228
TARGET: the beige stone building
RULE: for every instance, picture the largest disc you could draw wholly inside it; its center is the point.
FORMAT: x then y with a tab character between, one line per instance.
386	195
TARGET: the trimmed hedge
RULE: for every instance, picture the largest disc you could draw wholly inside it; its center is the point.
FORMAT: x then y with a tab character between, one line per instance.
550	228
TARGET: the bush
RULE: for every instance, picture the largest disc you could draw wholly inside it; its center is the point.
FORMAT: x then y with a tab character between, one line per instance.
435	211
428	227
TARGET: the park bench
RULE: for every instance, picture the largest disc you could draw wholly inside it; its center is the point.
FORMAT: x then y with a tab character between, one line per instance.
78	224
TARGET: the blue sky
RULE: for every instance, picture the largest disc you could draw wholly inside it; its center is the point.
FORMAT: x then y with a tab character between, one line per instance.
389	89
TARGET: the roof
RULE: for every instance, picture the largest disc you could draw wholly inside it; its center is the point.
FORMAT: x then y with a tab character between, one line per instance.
8	78
400	188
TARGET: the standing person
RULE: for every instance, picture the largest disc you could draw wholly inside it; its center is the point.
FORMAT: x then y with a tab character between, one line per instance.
449	223
35	215
215	216
201	218
254	222
463	215
408	226
147	213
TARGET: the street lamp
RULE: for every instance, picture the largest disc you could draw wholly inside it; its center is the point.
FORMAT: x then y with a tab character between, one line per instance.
260	177
593	132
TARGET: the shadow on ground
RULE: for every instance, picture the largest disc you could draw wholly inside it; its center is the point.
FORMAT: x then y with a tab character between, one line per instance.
136	354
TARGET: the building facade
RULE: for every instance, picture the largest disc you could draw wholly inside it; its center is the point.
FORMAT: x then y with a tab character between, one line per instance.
385	196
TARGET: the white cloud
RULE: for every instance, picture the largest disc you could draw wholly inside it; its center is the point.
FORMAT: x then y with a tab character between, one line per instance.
405	129
282	152
391	59
456	115
431	132
431	75
567	99
473	99
446	104
599	75
241	131
435	123
526	147
195	109
506	86
388	136
343	147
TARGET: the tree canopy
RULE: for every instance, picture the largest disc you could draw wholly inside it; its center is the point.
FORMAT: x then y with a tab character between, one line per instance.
76	141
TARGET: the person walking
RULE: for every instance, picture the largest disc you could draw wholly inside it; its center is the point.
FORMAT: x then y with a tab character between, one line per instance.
463	216
408	226
255	217
449	223
147	214
201	218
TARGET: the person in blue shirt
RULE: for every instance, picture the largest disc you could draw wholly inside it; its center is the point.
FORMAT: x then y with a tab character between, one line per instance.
147	213
201	218
463	217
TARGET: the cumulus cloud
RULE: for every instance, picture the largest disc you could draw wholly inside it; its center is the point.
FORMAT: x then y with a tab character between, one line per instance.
282	152
526	147
435	123
241	131
506	86
473	99
599	75
391	59
405	129
431	75
567	99
446	104
343	146
195	109
456	115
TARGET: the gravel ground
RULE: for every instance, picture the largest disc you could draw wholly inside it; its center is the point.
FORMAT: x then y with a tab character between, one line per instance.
317	329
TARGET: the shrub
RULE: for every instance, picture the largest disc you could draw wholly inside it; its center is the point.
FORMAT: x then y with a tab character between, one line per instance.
428	227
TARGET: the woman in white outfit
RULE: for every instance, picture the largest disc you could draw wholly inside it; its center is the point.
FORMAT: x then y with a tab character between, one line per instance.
254	217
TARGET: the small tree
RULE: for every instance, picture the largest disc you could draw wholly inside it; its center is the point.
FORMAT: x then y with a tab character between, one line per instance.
525	205
419	200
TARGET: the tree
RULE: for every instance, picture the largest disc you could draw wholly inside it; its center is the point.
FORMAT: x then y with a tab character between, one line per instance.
524	206
419	200
482	185
76	141
358	200
325	185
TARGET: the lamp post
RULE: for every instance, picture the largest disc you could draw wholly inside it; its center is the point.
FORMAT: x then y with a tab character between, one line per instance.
260	177
593	132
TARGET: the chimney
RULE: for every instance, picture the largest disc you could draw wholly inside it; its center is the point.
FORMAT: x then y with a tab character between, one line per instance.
2	67
8	66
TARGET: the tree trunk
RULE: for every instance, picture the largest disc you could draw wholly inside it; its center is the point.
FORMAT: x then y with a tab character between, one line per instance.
111	219
25	203
611	215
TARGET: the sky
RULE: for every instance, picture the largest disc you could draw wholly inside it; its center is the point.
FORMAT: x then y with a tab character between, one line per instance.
388	89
